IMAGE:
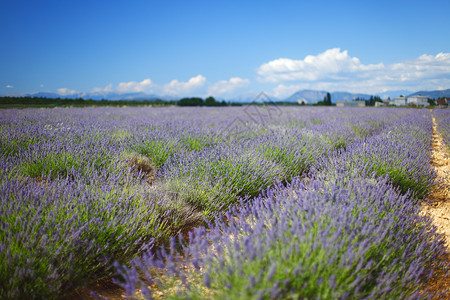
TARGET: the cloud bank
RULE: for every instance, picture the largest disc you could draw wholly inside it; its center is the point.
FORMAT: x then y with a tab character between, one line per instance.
66	92
332	70
337	70
196	85
147	86
226	87
176	88
330	64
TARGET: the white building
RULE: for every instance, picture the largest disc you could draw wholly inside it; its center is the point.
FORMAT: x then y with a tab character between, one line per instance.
418	100
380	104
350	103
399	101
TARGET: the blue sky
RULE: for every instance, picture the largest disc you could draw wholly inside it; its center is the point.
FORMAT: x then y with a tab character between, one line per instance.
223	48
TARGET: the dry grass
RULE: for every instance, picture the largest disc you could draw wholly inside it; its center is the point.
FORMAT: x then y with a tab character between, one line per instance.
143	165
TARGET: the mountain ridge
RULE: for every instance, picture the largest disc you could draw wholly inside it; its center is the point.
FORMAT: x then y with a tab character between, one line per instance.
314	96
308	95
432	94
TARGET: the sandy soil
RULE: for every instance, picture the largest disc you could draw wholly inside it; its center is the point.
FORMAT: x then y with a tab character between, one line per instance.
439	204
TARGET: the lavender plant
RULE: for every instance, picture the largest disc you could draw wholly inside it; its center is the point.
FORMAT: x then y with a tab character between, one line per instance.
58	236
333	236
311	239
81	188
442	117
400	151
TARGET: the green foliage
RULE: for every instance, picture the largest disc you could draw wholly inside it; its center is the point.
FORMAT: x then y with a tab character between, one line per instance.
214	185
402	178
361	132
294	163
12	147
58	251
55	164
61	163
327	99
317	121
196	143
371	101
52	102
194	101
210	101
159	151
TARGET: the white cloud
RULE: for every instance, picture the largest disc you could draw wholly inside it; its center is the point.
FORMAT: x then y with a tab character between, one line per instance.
423	67
335	70
330	64
227	86
145	86
66	91
173	88
106	89
9	86
181	88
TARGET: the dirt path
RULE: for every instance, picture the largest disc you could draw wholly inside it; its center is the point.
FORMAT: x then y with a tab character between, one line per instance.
439	205
103	289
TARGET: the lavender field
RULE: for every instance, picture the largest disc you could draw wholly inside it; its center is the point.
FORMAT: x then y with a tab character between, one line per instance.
218	203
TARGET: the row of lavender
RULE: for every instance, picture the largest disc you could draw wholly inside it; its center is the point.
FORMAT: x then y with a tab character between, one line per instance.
442	117
351	230
75	186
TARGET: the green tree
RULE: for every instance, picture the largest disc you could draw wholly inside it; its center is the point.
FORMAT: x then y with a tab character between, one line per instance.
190	102
210	101
327	99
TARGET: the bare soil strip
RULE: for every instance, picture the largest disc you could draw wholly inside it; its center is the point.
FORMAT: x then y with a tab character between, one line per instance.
104	289
439	205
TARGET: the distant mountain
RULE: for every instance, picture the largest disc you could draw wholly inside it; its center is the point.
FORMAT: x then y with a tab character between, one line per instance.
345	96
432	94
247	97
393	94
116	96
40	94
310	96
95	96
313	96
45	95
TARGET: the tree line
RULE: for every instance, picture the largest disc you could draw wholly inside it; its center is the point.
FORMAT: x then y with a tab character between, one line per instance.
196	101
372	100
26	101
7	101
53	102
